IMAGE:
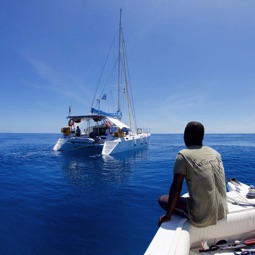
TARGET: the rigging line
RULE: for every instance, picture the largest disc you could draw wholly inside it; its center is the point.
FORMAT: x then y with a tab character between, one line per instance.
46	149
106	60
77	148
109	77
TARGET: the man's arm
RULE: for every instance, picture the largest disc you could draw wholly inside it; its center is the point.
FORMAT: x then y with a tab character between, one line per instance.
174	195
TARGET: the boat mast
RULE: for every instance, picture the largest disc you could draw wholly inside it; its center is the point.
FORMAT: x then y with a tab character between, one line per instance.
122	57
119	63
126	84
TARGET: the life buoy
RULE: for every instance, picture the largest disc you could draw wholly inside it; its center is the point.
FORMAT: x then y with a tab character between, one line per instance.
108	124
70	122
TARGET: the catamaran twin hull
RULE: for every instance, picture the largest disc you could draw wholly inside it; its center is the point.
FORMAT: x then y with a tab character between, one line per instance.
106	136
104	145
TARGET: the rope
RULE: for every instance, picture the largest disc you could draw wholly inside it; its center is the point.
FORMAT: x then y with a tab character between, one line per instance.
77	148
241	200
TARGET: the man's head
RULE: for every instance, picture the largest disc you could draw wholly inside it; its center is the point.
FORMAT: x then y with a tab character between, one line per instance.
194	133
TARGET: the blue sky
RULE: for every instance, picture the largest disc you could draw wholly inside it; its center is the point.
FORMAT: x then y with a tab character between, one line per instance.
188	60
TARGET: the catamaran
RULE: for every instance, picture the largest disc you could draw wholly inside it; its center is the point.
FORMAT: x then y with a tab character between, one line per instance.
105	130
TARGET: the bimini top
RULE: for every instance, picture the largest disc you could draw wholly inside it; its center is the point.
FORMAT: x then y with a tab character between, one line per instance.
117	114
79	118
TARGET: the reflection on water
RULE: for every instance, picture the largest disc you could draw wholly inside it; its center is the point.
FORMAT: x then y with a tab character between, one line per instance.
92	171
69	203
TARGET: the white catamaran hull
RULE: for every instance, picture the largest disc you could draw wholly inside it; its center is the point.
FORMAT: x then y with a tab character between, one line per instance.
127	143
74	143
106	147
179	237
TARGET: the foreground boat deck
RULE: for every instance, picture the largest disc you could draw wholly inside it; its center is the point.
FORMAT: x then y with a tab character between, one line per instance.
178	237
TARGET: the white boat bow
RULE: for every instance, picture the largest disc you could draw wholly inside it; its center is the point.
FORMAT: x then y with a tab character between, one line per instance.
179	237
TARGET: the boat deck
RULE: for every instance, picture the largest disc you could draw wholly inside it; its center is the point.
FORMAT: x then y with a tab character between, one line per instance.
179	237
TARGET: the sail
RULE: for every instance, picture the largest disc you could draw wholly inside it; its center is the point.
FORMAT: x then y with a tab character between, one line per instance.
118	123
117	114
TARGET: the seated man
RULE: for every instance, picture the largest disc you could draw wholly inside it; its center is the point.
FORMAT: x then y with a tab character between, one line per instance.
78	131
202	168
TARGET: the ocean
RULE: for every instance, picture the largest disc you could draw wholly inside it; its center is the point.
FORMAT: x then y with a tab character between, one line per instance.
57	203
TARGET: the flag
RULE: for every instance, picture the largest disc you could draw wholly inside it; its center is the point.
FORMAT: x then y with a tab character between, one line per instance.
104	97
69	110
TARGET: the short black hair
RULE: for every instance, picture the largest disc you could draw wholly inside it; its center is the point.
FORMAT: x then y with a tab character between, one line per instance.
194	133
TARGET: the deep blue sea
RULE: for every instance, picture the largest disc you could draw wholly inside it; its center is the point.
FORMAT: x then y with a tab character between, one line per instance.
57	203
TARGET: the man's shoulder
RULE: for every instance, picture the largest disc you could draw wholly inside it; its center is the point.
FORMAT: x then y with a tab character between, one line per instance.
191	148
208	148
194	149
